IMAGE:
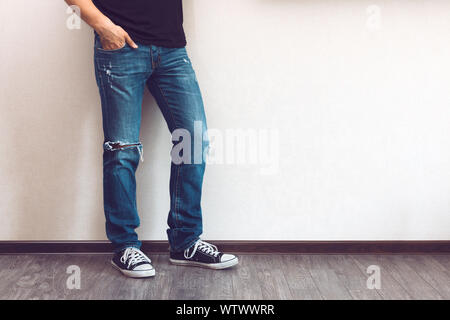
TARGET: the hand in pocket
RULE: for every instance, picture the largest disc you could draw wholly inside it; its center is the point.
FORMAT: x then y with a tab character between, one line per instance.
114	37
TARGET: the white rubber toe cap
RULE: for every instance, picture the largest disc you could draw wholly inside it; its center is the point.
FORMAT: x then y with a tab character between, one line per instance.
143	267
227	257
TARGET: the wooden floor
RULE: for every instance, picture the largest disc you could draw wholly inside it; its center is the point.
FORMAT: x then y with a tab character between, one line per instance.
257	277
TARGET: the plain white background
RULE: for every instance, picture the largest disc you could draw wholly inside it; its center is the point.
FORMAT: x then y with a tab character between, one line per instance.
358	92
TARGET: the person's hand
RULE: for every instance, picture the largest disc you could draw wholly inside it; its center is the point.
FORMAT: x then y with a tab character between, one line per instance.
113	37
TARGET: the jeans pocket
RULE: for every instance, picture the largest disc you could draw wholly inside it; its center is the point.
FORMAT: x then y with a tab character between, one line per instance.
98	45
99	48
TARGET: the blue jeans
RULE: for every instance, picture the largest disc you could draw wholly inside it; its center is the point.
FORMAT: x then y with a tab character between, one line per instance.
122	76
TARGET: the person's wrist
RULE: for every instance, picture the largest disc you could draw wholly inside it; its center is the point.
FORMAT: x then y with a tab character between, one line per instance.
101	25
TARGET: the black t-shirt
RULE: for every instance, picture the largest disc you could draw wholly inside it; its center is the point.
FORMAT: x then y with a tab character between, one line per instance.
151	22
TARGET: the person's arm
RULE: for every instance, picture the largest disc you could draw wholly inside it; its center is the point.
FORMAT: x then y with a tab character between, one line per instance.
112	36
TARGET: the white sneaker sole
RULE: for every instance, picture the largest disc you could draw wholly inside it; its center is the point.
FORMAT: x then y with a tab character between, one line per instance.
135	274
215	266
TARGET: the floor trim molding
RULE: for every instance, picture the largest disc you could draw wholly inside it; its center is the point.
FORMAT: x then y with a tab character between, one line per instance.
238	246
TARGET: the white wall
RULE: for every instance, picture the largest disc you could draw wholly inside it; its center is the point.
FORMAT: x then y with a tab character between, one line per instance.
362	112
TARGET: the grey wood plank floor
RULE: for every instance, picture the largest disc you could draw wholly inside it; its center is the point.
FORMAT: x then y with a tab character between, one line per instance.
256	277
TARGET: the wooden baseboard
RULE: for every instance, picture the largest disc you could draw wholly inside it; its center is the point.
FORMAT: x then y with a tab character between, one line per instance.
242	247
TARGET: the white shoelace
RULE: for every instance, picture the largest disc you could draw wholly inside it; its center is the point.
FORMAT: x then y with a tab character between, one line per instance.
203	246
133	256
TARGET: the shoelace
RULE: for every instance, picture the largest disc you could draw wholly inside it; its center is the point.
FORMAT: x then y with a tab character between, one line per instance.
203	246
133	256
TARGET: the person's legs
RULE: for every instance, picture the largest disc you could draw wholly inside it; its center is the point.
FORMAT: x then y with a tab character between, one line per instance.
121	76
176	90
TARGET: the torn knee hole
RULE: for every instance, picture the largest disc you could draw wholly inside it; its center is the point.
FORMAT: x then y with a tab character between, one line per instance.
113	146
118	145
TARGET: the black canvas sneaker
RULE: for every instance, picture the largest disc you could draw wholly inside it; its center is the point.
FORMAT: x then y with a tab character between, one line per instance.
203	254
133	263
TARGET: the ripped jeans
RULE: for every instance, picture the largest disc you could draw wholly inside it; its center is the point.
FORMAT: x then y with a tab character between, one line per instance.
122	76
